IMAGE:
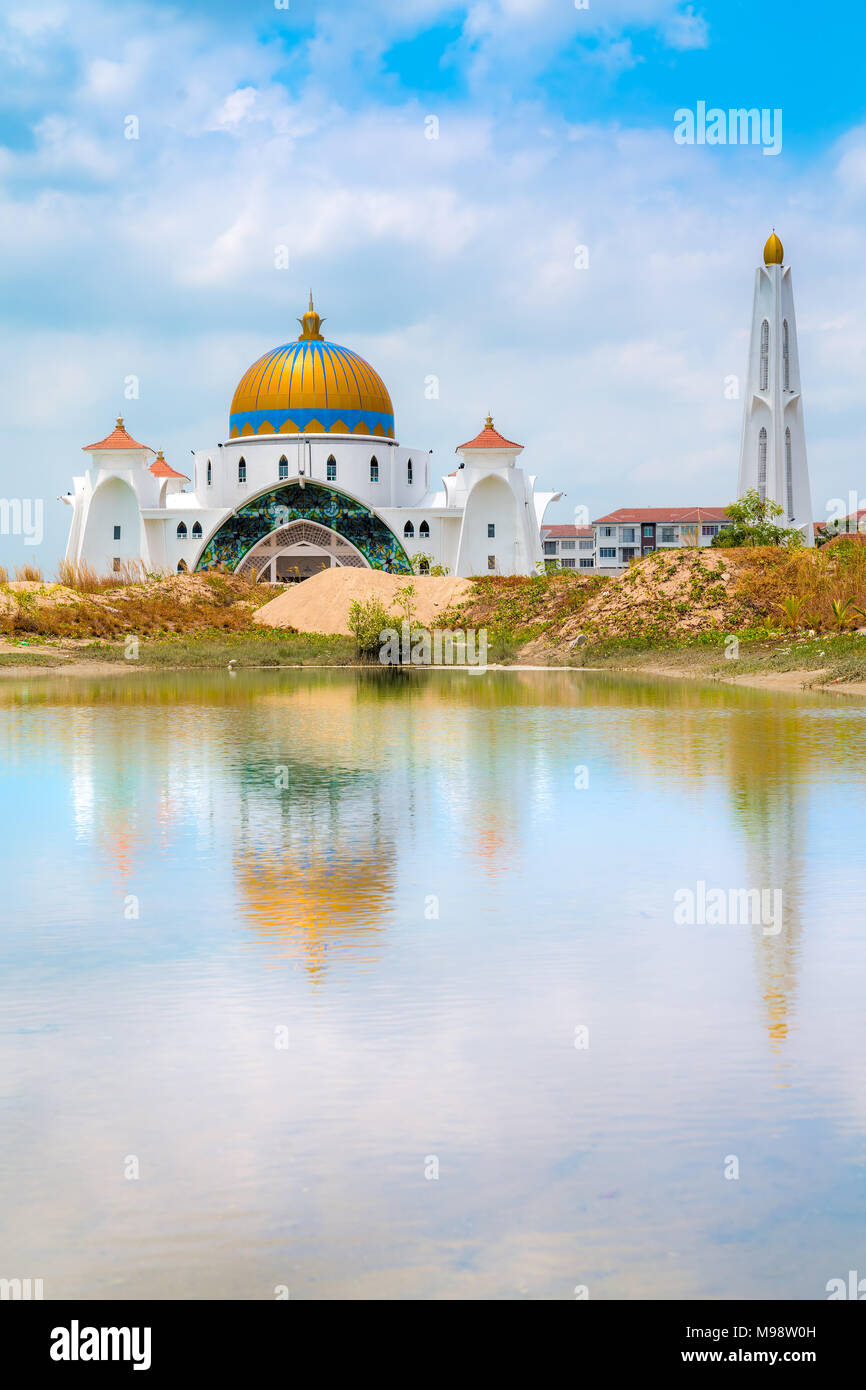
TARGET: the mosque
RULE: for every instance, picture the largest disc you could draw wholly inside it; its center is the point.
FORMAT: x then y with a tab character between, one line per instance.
311	475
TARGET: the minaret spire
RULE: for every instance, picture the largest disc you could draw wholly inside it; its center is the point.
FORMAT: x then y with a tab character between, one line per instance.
773	440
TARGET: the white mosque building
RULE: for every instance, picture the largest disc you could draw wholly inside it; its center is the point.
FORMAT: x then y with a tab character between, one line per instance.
311	475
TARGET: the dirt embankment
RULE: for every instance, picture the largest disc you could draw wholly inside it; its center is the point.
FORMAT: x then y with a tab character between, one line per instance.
673	594
322	603
682	594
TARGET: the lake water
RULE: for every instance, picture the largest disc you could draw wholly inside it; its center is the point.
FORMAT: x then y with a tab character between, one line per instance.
371	986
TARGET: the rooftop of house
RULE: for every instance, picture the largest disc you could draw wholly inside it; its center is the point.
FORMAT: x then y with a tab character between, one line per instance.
554	533
666	516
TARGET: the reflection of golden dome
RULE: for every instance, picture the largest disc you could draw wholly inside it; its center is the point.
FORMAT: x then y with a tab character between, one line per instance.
310	909
774	251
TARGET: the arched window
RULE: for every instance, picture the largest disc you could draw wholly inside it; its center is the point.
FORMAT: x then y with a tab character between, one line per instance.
789	474
409	531
284	468
424	529
424	567
242	470
331	471
762	463
209	473
181	567
181	531
765	354
409	472
786	359
374	469
196	531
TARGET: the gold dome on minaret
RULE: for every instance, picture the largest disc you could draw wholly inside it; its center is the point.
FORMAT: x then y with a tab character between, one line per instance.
774	251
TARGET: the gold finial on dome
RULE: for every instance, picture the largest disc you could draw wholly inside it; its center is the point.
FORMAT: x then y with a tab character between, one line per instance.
310	324
774	251
119	424
488	423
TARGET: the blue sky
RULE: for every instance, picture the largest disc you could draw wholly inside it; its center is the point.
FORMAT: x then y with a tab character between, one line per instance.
261	127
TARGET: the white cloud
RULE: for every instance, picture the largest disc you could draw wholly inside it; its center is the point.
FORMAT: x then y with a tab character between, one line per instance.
236	107
686	30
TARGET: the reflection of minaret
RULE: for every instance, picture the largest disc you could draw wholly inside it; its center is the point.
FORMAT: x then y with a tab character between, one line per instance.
769	783
774	860
773	442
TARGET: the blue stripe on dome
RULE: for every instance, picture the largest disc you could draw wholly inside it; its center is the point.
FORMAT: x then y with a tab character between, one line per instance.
325	417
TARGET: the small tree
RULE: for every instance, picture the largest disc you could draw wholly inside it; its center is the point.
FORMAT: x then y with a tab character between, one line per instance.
423	563
404	601
753	524
367	620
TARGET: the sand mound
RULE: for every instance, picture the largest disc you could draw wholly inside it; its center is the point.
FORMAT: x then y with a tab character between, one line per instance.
321	603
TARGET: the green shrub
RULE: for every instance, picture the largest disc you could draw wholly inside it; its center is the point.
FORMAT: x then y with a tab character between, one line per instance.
367	619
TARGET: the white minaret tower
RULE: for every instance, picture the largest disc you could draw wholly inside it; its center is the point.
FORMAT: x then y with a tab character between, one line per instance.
773	445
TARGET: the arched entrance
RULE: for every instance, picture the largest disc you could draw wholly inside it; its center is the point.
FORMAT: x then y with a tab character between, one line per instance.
298	550
280	507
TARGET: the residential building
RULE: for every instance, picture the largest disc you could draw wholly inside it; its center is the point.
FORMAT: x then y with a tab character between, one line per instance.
568	547
632	532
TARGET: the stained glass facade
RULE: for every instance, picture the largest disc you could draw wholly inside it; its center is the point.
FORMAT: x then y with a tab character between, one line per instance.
313	502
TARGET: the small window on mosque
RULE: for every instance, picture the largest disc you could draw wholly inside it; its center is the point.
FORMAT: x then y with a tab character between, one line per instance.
116	564
196	531
242	470
209	473
423	529
374	470
409	472
284	468
491	530
117	533
181	531
181	566
424	567
491	562
332	470
409	531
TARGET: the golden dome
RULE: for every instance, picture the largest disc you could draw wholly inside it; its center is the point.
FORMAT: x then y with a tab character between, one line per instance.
313	387
774	251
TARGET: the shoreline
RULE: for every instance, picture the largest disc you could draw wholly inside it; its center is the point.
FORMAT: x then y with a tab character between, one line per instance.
798	681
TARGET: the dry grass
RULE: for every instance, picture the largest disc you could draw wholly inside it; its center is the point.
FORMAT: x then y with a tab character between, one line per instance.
518	606
86	580
836	572
29	573
142	606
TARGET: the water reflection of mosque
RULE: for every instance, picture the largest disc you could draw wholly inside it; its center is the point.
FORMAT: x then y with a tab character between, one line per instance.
316	788
314	862
318	858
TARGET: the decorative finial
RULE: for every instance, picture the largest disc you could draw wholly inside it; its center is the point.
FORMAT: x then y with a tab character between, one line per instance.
310	325
774	251
488	423
159	456
120	424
